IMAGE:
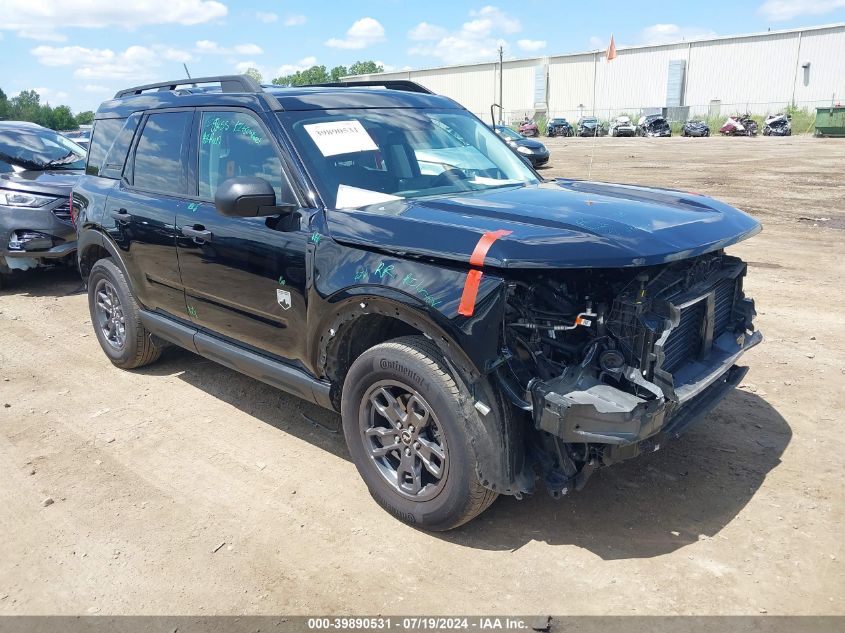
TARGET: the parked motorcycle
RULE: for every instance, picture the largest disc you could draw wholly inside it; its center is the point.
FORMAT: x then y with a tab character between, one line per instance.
739	125
777	125
529	128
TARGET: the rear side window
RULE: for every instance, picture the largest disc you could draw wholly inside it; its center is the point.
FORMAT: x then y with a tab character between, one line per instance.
113	163
104	134
159	164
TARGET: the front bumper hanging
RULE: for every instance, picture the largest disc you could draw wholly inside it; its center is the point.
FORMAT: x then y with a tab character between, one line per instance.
579	409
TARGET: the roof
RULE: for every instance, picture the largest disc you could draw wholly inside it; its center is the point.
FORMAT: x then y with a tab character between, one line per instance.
328	98
267	98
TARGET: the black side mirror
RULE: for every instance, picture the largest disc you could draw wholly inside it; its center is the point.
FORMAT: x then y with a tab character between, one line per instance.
248	197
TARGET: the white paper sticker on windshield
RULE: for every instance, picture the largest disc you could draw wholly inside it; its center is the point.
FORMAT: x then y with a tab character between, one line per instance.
340	137
353	197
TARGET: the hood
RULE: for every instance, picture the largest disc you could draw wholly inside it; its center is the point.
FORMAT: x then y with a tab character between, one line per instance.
58	182
561	224
529	143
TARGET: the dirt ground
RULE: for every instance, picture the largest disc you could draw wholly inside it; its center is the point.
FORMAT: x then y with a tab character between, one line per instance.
185	488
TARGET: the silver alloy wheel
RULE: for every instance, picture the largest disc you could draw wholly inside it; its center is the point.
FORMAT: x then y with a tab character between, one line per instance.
404	439
109	312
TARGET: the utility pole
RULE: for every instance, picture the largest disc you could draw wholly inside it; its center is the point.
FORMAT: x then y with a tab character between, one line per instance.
501	81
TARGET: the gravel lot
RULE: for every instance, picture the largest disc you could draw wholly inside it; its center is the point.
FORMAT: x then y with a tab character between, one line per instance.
185	488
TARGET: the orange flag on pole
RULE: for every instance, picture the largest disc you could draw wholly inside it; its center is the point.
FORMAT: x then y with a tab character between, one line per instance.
611	50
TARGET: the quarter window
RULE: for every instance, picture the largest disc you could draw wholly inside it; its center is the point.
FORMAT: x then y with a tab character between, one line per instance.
158	158
234	144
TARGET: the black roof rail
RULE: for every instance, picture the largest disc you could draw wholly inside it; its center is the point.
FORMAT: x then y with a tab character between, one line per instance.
390	84
228	83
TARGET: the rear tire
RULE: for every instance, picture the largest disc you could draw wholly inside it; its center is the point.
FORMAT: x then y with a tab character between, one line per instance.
405	421
116	318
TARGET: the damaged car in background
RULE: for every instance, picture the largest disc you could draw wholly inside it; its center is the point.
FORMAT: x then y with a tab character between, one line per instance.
653	125
38	168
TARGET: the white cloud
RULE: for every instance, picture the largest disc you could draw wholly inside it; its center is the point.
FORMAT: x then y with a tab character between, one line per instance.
425	31
211	47
780	10
477	39
668	33
45	35
490	18
95	88
41	19
266	17
242	67
531	45
387	67
102	63
289	69
295	20
361	34
48	93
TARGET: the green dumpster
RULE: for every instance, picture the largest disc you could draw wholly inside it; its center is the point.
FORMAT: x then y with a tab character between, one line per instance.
830	121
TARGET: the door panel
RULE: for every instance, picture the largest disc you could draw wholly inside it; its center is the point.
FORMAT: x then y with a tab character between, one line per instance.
246	280
244	277
146	234
141	210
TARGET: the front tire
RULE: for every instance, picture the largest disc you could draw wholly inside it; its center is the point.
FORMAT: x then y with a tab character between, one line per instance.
411	436
116	318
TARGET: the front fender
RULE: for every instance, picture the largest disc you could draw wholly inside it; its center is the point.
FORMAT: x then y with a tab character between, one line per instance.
349	282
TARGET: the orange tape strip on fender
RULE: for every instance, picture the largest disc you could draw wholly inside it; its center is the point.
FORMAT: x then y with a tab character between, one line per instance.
473	280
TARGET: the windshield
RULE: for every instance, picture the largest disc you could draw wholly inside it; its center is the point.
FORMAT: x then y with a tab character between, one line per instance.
40	149
506	132
363	157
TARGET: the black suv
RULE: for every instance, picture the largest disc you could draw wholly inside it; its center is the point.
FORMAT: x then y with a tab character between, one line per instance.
381	252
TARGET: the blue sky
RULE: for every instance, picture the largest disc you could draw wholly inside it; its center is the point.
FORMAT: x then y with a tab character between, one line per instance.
79	52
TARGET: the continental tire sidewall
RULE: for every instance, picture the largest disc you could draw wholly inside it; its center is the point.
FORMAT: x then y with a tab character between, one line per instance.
391	362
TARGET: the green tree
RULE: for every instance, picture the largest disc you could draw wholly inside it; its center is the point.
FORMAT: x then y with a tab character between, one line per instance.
365	68
63	119
319	74
337	72
85	118
26	106
255	74
307	77
5	108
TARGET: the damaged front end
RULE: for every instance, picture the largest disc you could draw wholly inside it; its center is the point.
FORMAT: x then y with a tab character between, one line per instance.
612	363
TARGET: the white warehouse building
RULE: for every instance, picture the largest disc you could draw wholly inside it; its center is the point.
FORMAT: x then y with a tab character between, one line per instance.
761	73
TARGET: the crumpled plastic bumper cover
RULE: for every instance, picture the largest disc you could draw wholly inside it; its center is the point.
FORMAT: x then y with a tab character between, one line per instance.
588	411
35	233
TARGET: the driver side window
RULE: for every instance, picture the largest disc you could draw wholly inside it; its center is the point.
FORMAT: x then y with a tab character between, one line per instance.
234	144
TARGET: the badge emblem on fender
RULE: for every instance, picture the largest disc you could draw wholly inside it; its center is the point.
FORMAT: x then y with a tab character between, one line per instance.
283	297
